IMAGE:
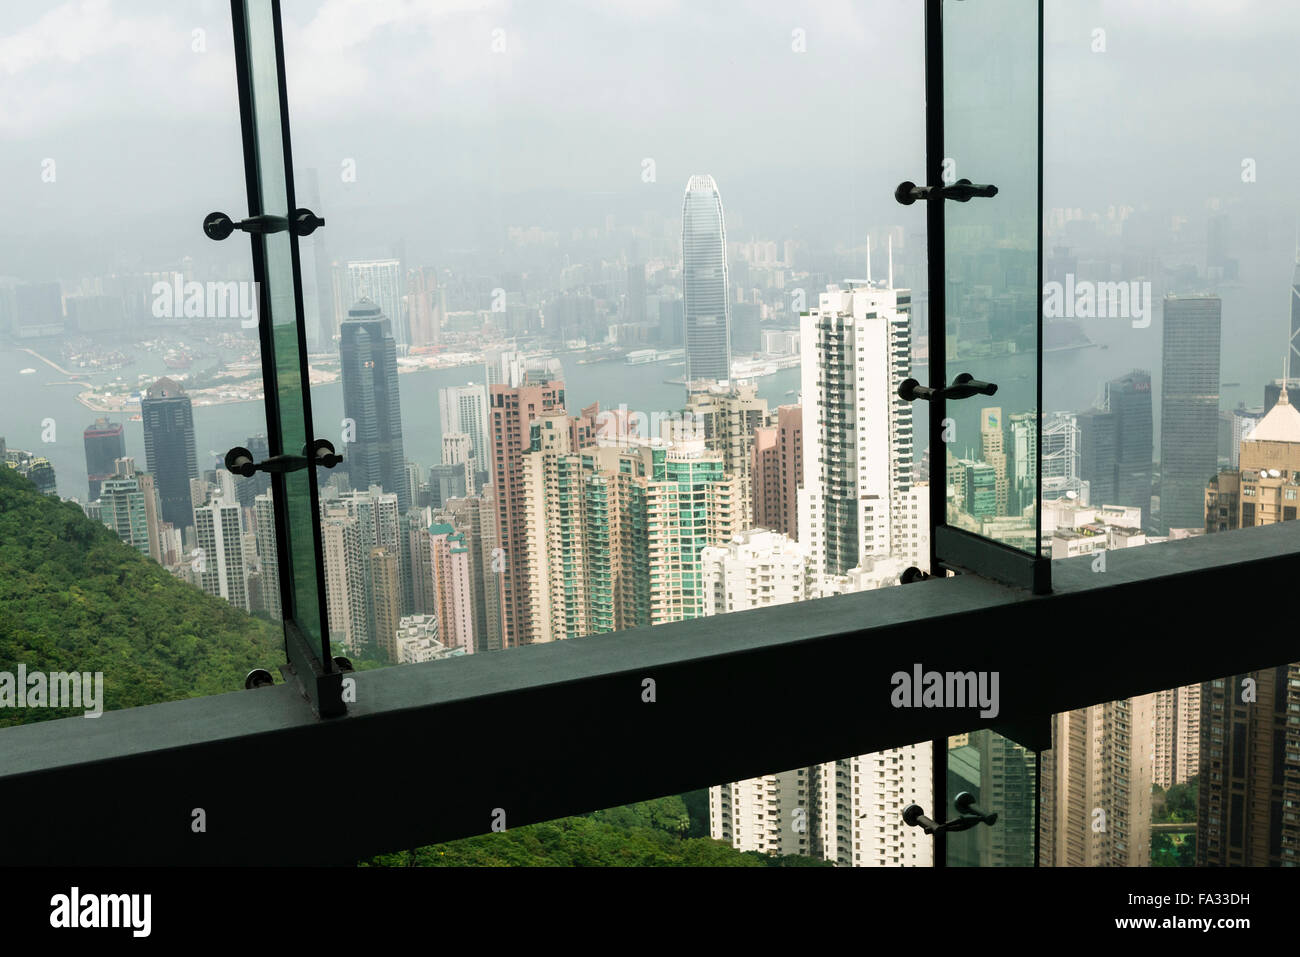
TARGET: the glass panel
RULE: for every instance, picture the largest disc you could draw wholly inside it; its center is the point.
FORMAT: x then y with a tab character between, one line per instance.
991	135
301	563
1182	282
1001	778
128	365
498	317
1185	280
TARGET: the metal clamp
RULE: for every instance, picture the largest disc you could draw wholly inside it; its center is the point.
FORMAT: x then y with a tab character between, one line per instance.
971	814
963	387
962	191
240	461
218	225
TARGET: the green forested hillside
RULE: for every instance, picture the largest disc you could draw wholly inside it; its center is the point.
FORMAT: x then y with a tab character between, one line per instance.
647	834
75	598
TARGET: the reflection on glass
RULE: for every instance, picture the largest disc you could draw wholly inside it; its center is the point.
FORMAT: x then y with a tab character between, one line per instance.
991	133
1001	778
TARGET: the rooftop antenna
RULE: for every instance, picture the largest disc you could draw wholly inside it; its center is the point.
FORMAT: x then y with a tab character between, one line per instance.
891	260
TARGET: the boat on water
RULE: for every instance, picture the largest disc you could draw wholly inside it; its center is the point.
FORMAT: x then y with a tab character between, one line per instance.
789	392
26	371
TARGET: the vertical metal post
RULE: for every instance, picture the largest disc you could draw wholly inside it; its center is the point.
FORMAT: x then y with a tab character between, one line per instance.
937	335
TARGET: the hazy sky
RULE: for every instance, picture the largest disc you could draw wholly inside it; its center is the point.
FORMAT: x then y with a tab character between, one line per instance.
448	134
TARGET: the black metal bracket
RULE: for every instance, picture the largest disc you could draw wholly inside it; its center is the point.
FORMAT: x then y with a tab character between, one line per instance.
218	225
963	387
961	191
240	461
971	814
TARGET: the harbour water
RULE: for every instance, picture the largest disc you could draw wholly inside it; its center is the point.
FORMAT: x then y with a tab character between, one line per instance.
1254	340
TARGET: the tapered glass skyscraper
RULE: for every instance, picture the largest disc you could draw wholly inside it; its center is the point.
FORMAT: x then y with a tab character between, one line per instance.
705	282
371	402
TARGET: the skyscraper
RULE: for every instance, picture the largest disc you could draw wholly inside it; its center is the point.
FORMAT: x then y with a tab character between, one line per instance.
474	518
1129	400
857	432
463	409
453	588
220	565
993	452
105	444
383	283
368	357
346	579
598	519
777	472
1189	408
1095	786
1177	754
168	420
705	282
385	598
1250	770
268	557
124	507
512	411
726	418
1250	738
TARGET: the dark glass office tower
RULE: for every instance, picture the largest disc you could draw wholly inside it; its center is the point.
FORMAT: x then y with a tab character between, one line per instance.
1129	401
105	444
168	419
1189	408
368	354
247	489
1098	441
704	282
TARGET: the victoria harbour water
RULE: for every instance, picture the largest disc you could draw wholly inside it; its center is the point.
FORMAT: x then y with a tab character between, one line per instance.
1255	329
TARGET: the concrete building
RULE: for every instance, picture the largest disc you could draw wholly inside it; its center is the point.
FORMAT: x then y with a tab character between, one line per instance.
1095	786
776	470
221	568
386	598
857	431
726	417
